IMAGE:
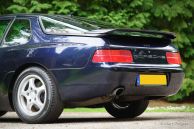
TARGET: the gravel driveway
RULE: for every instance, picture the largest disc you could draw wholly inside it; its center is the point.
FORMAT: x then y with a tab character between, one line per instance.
105	121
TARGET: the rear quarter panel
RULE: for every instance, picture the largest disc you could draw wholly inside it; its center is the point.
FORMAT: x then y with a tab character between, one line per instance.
49	51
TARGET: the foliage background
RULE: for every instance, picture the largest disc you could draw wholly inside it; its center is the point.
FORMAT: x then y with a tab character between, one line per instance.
167	15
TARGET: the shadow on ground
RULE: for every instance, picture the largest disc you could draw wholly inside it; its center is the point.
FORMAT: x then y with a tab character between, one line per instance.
100	119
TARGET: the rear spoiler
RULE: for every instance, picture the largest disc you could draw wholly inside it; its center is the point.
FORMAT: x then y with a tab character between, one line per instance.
169	35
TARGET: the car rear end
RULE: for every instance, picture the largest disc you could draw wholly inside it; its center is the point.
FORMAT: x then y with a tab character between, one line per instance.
142	64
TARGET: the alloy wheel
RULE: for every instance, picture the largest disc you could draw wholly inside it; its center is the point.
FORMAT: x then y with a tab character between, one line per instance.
32	95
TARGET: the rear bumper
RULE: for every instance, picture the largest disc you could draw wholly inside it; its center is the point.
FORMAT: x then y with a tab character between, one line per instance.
84	84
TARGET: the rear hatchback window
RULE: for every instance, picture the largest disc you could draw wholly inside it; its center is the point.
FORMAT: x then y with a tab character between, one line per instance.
55	26
58	24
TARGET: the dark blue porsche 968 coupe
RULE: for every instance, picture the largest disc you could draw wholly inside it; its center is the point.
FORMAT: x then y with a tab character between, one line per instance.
51	62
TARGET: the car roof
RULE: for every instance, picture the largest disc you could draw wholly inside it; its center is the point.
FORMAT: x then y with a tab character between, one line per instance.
29	15
19	14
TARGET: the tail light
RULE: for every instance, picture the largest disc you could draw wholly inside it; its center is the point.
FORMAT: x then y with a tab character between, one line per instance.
112	56
173	58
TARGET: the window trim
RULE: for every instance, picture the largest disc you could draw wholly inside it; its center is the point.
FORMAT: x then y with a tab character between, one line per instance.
62	34
8	29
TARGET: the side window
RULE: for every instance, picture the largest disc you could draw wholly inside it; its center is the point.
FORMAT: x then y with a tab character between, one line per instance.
3	26
19	33
53	26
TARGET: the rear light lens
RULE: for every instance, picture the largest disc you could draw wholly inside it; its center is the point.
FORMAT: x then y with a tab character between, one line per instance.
173	58
112	56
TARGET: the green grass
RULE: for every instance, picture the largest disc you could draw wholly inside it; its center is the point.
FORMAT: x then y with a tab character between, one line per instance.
149	109
171	109
84	110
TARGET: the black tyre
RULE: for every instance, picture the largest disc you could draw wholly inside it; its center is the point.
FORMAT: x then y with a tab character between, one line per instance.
127	110
2	113
35	96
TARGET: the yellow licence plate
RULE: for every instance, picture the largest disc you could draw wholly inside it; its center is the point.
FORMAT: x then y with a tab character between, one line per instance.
152	79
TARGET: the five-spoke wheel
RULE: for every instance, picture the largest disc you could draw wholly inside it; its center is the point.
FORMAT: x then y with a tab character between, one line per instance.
35	96
32	94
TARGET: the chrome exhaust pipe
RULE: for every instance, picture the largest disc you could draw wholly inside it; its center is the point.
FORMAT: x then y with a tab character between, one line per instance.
117	91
